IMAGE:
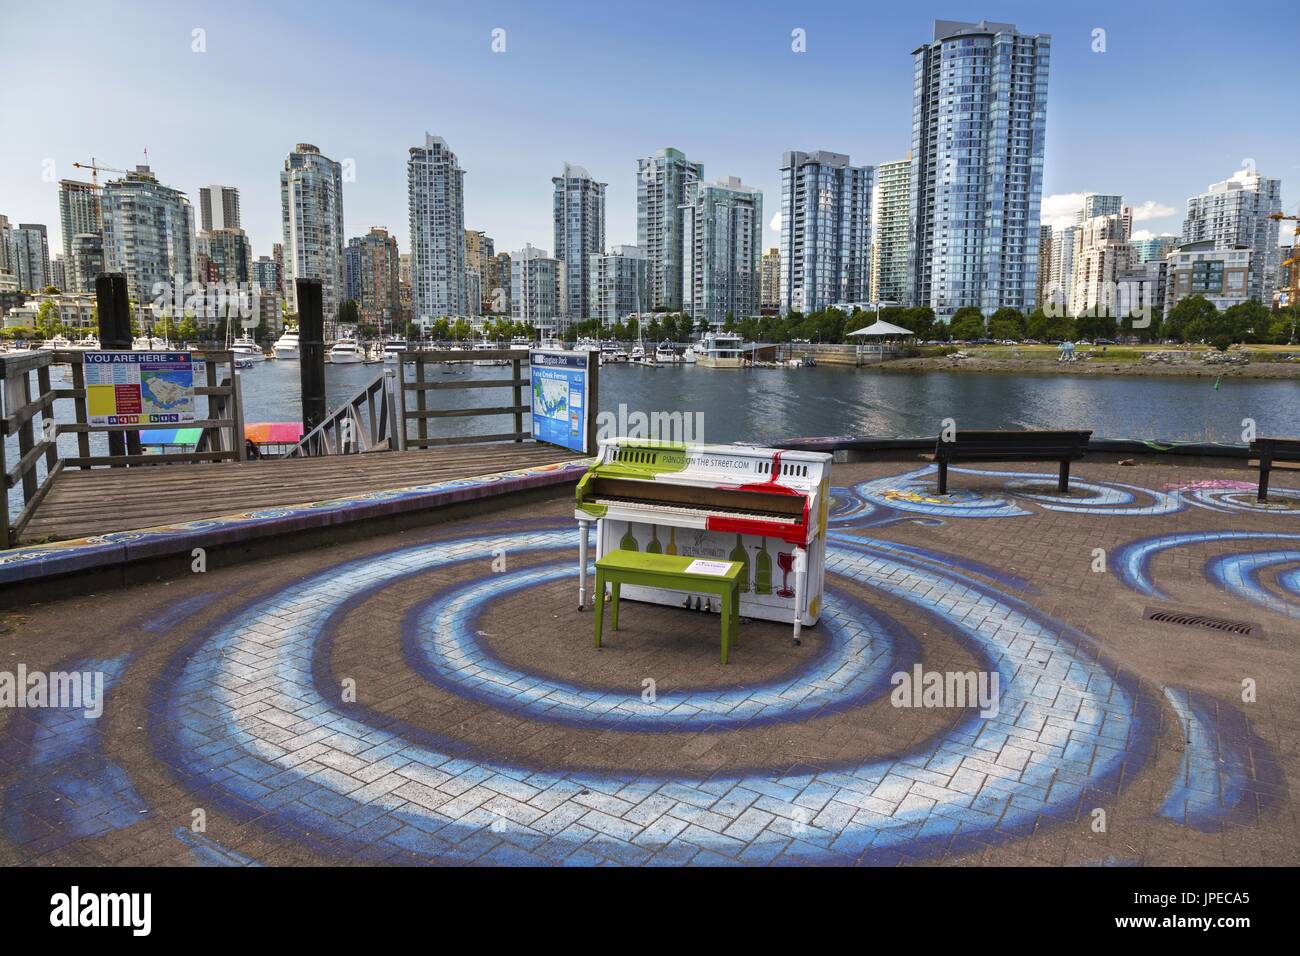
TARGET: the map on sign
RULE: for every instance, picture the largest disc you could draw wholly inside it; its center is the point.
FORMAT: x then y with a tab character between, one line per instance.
164	390
552	397
139	388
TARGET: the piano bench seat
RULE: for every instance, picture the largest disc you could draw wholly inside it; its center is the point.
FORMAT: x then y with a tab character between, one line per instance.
672	572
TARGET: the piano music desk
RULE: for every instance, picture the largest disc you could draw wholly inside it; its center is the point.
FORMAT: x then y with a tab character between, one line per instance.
669	571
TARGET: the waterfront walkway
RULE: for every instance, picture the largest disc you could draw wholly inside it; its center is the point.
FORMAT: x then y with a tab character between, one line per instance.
101	500
434	696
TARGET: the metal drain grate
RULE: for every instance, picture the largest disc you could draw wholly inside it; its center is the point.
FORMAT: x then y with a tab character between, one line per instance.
1187	618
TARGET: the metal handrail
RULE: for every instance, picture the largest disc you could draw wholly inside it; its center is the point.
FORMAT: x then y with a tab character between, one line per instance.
347	431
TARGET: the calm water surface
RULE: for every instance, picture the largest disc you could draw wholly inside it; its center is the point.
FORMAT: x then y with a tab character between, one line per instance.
774	404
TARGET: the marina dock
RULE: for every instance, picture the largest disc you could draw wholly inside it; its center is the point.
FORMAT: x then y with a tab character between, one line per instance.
146	498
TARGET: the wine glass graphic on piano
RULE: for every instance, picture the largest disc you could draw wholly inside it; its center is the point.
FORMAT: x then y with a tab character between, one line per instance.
785	561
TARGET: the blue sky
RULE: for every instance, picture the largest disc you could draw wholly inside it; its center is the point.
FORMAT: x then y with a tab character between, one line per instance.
1182	95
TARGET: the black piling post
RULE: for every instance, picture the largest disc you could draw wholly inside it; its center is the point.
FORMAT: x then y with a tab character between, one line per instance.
115	334
311	351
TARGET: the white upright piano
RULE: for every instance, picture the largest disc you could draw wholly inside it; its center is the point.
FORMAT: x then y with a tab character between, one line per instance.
763	507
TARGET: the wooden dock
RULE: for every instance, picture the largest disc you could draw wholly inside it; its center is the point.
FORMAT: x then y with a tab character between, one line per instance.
102	500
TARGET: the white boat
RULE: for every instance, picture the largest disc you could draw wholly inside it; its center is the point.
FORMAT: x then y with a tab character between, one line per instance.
247	350
720	350
689	355
393	349
486	346
637	354
611	352
286	346
59	342
346	352
665	353
86	344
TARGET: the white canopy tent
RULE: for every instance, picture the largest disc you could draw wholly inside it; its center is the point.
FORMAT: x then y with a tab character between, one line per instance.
879	329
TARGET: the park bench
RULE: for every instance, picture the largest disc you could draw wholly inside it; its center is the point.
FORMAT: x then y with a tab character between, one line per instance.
976	446
673	572
1269	453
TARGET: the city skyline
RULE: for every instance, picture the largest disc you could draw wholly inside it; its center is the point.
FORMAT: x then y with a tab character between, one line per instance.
509	163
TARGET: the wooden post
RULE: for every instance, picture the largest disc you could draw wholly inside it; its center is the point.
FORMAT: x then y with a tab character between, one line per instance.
79	412
395	399
422	424
26	437
517	391
236	412
47	419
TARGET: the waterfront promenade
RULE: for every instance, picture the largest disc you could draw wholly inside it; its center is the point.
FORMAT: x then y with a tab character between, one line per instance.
433	695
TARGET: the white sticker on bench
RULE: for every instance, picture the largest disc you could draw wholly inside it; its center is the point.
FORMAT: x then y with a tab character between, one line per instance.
708	567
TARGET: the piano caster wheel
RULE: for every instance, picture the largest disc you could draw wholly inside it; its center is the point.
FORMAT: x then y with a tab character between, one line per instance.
798	642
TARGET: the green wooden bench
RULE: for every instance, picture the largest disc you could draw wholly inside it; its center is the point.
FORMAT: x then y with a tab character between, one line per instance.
672	572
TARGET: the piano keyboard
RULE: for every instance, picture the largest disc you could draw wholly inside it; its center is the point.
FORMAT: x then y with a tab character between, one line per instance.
660	509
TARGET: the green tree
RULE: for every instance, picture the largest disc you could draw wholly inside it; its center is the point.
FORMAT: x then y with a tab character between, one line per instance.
1190	319
46	322
1007	323
967	323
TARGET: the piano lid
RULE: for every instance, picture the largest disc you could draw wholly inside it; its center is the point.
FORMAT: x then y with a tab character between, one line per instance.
713	465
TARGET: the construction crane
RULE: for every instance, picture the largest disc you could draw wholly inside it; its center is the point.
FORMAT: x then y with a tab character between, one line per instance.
94	171
1292	263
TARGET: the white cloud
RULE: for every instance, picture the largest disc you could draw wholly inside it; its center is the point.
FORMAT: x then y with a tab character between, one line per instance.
1148	234
1152	210
1059	210
775	224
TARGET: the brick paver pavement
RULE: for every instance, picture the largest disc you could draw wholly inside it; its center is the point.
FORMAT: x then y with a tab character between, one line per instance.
434	696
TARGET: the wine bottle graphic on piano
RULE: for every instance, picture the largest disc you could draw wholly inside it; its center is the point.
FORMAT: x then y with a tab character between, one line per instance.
738	553
762	569
654	547
672	541
628	541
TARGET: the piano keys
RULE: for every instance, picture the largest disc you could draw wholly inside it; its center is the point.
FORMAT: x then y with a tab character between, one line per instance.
763	507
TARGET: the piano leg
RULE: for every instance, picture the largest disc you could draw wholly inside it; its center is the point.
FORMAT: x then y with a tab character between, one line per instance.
800	586
583	526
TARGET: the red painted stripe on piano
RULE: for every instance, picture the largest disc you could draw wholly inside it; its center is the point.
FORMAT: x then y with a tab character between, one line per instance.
771	486
790	533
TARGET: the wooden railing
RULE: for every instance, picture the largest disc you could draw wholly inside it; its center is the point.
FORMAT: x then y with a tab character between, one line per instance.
421	386
221	439
365	422
20	408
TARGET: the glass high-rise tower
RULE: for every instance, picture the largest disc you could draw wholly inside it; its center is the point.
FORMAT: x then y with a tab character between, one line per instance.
979	114
825	231
436	206
311	207
660	191
579	216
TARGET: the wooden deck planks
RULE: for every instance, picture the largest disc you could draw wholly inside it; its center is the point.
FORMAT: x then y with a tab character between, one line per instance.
100	500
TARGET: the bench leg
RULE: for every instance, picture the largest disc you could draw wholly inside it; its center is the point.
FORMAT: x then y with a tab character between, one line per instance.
1262	494
599	596
943	477
613	617
1064	484
728	613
